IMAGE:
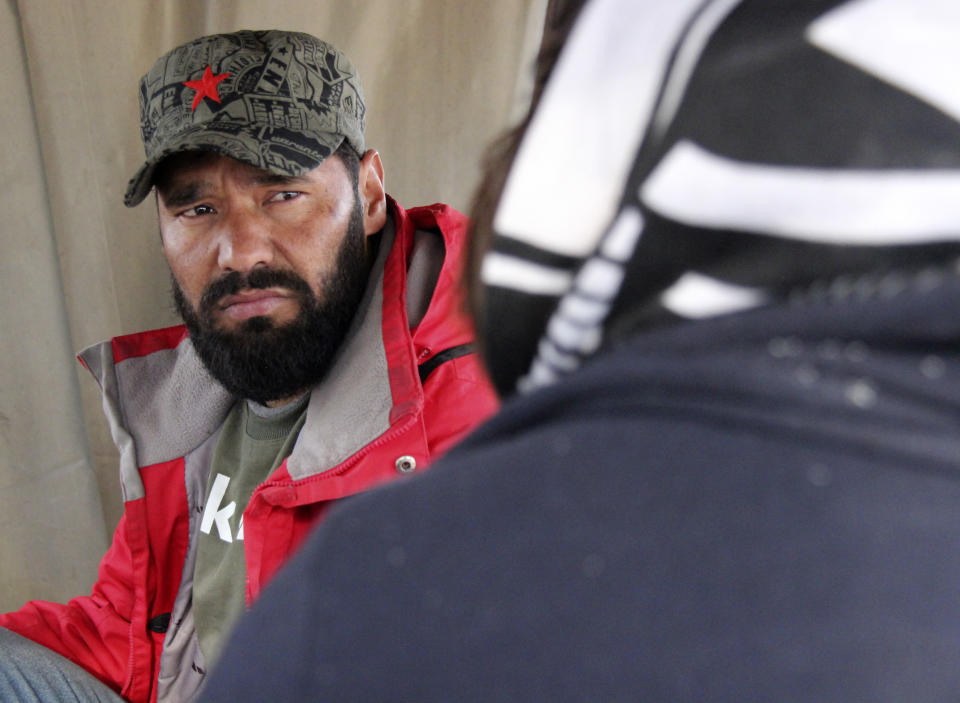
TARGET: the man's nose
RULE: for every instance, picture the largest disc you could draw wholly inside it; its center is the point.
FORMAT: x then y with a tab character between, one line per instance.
244	241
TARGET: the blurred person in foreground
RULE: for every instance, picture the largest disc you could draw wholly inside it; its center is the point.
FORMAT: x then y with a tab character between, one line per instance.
325	350
721	300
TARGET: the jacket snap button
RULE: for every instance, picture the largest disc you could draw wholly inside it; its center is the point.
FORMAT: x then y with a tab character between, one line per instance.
406	464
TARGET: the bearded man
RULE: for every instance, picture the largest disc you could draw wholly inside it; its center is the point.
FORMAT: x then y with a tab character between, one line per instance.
323	351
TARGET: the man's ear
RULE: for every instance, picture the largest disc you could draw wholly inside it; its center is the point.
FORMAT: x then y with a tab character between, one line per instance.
373	197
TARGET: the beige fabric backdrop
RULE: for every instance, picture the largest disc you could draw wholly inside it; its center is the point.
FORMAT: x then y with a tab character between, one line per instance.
441	78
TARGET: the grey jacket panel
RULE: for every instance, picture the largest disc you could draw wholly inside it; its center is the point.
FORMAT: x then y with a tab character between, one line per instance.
182	665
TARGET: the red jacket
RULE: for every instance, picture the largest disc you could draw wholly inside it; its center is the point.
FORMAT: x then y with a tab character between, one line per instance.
394	399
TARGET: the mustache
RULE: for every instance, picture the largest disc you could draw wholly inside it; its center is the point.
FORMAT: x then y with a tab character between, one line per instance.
234	282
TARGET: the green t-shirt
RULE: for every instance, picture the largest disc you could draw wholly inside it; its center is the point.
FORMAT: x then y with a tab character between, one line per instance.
254	441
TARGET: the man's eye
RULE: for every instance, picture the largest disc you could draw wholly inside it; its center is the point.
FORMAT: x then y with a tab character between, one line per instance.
285	195
198	210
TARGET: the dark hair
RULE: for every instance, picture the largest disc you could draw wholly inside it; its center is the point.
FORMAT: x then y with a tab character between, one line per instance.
350	159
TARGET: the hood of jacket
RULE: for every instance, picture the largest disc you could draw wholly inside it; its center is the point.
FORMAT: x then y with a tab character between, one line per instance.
689	160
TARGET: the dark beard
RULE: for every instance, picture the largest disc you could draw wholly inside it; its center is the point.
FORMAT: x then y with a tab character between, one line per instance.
262	361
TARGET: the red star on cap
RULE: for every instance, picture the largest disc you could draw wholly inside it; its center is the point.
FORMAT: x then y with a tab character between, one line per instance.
206	87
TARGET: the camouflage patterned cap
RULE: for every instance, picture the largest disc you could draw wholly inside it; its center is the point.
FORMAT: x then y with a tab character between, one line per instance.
280	101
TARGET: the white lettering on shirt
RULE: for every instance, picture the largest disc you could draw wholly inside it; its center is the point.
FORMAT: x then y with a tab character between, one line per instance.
213	513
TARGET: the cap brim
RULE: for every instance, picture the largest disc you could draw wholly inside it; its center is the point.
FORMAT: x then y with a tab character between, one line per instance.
282	151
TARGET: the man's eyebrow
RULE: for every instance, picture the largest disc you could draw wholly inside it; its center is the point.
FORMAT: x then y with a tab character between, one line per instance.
189	192
265	178
183	194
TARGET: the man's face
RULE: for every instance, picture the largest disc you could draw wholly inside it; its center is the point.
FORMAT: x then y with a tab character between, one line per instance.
268	271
